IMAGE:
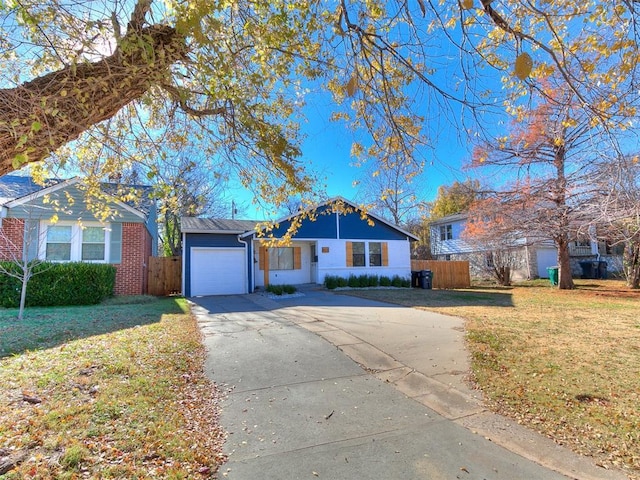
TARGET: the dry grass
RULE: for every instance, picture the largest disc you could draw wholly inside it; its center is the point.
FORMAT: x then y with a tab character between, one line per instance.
566	363
124	397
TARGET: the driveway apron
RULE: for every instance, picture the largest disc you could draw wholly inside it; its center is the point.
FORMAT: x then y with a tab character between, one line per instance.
330	386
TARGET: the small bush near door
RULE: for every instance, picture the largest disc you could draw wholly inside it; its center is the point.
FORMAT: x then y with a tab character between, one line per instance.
281	289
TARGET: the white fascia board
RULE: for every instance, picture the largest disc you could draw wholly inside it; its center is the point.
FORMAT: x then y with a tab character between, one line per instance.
41	193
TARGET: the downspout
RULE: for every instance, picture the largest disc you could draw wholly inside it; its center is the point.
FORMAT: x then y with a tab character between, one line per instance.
184	263
246	274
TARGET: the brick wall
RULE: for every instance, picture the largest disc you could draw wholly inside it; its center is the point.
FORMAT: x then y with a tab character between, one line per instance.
132	272
11	238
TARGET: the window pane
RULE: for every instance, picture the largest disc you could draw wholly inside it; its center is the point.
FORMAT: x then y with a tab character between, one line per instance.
93	235
285	259
59	251
93	251
375	254
281	258
358	254
59	234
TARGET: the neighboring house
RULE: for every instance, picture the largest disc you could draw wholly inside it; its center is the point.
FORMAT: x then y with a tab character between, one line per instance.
535	255
230	257
27	228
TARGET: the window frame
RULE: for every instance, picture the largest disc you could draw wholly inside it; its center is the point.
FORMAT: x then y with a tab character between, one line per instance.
377	256
47	243
446	232
362	257
276	261
77	240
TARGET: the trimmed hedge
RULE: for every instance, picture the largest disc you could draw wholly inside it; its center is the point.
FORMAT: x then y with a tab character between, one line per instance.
58	284
364	281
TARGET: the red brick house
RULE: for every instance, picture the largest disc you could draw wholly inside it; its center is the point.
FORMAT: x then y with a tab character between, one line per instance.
53	222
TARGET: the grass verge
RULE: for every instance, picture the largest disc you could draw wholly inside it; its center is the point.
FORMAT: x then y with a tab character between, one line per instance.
126	398
565	363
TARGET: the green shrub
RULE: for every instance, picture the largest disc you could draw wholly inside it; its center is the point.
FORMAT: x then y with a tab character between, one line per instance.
58	284
385	281
281	289
342	282
353	281
373	281
331	282
398	281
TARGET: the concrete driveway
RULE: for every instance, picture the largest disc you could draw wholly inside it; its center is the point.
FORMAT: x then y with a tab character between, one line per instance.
330	386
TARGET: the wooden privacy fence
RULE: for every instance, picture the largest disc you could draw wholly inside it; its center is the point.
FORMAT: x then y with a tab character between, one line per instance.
451	274
165	275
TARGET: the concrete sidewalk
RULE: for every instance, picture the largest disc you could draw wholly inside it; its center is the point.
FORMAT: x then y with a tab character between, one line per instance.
298	407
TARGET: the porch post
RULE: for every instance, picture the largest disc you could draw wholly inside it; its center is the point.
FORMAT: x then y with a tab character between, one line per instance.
266	265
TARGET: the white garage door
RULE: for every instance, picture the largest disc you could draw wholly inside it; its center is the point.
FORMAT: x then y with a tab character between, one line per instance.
218	271
547	257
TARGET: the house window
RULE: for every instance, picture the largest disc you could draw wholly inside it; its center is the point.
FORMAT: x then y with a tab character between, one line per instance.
72	242
375	254
93	247
489	260
281	258
358	254
58	247
446	232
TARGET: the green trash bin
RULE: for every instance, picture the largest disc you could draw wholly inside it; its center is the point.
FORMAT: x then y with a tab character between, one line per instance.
553	275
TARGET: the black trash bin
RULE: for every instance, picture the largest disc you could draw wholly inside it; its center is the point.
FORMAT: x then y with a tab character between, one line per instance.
602	269
415	276
425	278
588	270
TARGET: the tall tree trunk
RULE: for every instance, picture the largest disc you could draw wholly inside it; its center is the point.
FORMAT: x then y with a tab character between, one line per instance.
565	277
39	116
631	263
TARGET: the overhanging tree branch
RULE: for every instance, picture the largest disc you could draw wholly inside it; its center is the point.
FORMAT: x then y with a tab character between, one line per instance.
41	115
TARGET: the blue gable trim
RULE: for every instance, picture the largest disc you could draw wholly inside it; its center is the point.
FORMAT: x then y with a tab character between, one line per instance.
205	240
352	226
324	226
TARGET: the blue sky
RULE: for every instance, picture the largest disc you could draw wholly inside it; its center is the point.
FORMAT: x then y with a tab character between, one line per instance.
326	150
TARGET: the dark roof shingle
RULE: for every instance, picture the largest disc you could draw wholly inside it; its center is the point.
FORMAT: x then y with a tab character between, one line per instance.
222	225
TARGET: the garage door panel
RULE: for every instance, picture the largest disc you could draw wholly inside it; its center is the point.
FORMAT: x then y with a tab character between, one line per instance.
218	271
546	257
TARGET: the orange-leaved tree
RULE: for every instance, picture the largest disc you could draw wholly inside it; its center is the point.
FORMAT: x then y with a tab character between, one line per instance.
547	158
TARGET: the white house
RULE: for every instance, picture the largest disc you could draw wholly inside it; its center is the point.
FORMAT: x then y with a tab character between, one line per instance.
222	256
536	255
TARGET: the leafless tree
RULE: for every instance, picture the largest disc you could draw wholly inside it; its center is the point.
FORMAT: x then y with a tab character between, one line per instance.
614	209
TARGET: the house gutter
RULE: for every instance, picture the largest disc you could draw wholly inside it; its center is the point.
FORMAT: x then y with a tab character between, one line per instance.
246	273
184	262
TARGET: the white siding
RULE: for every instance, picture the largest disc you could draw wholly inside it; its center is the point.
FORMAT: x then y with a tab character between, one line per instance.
287	277
334	262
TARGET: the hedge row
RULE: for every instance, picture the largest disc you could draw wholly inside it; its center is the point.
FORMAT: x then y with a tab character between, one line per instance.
364	281
57	284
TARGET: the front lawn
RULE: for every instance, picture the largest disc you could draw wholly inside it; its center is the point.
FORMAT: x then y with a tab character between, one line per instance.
109	391
565	363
